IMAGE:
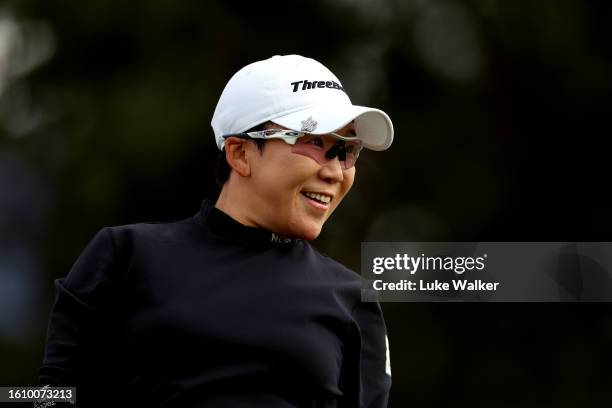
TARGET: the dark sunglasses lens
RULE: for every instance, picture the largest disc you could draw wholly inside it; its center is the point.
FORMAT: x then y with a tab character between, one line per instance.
346	151
351	153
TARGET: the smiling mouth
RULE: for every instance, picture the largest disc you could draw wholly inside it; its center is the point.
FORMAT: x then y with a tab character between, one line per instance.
317	197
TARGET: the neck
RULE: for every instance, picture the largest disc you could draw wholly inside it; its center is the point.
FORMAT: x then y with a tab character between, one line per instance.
232	202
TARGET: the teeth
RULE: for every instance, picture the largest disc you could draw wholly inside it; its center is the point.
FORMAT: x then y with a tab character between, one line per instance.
319	197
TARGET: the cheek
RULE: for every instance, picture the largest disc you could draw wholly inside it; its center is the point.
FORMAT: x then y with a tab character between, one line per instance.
345	187
347	183
281	177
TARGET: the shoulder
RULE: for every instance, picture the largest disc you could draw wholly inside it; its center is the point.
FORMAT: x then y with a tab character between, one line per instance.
109	252
160	232
117	245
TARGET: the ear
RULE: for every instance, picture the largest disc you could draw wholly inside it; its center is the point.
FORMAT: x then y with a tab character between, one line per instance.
236	155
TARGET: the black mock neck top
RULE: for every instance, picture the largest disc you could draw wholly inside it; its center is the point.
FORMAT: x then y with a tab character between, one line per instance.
206	312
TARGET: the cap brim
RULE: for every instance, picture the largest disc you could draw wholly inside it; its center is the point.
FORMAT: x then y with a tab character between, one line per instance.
372	126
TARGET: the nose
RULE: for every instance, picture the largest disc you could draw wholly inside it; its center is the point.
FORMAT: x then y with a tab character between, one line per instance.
331	171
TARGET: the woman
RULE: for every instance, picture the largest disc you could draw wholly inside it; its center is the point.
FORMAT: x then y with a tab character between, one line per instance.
233	307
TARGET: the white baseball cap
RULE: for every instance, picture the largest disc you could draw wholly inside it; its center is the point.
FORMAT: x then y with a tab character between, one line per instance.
297	93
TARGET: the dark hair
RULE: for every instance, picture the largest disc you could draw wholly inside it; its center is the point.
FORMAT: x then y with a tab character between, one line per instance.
222	167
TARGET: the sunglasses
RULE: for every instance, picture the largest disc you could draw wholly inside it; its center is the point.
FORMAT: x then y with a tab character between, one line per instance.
318	148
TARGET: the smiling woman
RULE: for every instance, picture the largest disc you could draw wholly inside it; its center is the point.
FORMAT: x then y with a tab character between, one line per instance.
246	312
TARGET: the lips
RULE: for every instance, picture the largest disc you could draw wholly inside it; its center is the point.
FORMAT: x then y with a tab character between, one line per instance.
321	198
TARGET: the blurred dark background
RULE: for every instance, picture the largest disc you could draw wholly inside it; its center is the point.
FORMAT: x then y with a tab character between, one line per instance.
501	111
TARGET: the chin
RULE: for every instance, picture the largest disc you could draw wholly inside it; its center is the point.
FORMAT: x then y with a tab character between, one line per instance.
306	232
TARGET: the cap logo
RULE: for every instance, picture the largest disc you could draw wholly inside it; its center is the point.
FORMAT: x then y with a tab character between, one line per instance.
315	84
309	125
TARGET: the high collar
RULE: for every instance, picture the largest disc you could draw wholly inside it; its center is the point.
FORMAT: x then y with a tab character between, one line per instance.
222	224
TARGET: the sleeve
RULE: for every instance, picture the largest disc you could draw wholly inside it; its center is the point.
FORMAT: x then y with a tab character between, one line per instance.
375	366
81	331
